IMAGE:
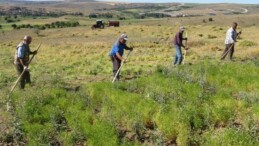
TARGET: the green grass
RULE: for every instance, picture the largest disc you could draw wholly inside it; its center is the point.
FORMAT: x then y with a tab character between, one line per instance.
208	103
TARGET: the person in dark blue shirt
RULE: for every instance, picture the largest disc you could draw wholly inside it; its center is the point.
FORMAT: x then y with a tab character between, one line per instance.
116	53
178	43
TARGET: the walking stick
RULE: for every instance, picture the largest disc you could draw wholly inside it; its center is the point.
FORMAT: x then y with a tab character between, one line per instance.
120	67
19	78
185	51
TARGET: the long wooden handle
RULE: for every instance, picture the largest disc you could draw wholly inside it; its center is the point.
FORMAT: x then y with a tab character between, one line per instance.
185	51
34	54
120	68
230	47
19	78
227	51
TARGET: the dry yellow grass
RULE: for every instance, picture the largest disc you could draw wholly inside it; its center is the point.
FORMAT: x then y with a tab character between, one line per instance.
81	54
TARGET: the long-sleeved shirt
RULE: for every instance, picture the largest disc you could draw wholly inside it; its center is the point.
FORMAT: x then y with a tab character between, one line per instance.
178	39
231	36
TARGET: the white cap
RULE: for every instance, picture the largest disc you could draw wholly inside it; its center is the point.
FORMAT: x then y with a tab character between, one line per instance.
182	28
124	36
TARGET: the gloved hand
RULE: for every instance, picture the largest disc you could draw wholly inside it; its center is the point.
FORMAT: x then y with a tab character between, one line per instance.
35	52
26	68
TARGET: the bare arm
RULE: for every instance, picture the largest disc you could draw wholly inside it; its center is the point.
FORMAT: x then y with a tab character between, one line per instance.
22	63
120	57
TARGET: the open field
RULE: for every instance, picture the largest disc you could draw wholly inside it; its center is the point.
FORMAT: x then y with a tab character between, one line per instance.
72	101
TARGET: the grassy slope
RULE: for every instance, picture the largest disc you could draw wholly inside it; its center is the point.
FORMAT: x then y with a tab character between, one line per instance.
208	103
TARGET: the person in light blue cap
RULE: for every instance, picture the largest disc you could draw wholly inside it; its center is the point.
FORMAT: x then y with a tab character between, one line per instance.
117	52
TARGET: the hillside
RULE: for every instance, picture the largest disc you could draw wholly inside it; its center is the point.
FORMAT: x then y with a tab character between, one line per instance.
72	101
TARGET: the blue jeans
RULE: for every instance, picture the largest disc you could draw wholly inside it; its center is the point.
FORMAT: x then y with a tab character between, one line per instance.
178	55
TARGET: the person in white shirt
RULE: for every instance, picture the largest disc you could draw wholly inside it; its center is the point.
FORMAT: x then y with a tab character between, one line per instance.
231	38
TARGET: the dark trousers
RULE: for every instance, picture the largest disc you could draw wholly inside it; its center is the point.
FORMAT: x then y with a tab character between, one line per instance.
116	63
230	48
26	78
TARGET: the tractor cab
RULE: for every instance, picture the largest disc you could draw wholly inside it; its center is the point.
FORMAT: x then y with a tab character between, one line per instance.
99	24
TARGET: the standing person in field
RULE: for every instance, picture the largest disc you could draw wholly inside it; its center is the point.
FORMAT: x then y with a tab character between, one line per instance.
22	58
178	43
231	38
116	53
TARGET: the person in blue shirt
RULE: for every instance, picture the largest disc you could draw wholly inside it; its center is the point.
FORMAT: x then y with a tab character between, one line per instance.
22	58
116	53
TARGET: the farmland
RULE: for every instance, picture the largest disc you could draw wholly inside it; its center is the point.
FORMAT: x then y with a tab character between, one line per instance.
73	102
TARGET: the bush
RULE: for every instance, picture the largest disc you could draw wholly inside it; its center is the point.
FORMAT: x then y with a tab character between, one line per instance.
210	19
92	15
14	26
9	21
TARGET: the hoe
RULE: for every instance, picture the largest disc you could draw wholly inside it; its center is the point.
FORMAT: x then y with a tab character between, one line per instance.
224	55
185	50
120	67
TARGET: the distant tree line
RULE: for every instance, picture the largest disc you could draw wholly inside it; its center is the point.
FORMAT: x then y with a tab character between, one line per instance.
103	15
57	24
153	15
24	12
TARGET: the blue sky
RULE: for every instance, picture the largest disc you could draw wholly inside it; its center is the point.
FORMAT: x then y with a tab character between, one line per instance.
186	1
194	1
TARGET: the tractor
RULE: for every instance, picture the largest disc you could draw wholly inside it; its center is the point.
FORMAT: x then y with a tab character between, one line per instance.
99	24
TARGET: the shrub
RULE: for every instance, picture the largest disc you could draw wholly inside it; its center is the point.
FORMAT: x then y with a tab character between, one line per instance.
14	26
211	36
9	21
92	15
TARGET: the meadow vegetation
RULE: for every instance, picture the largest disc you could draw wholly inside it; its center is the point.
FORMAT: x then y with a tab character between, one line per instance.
73	102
